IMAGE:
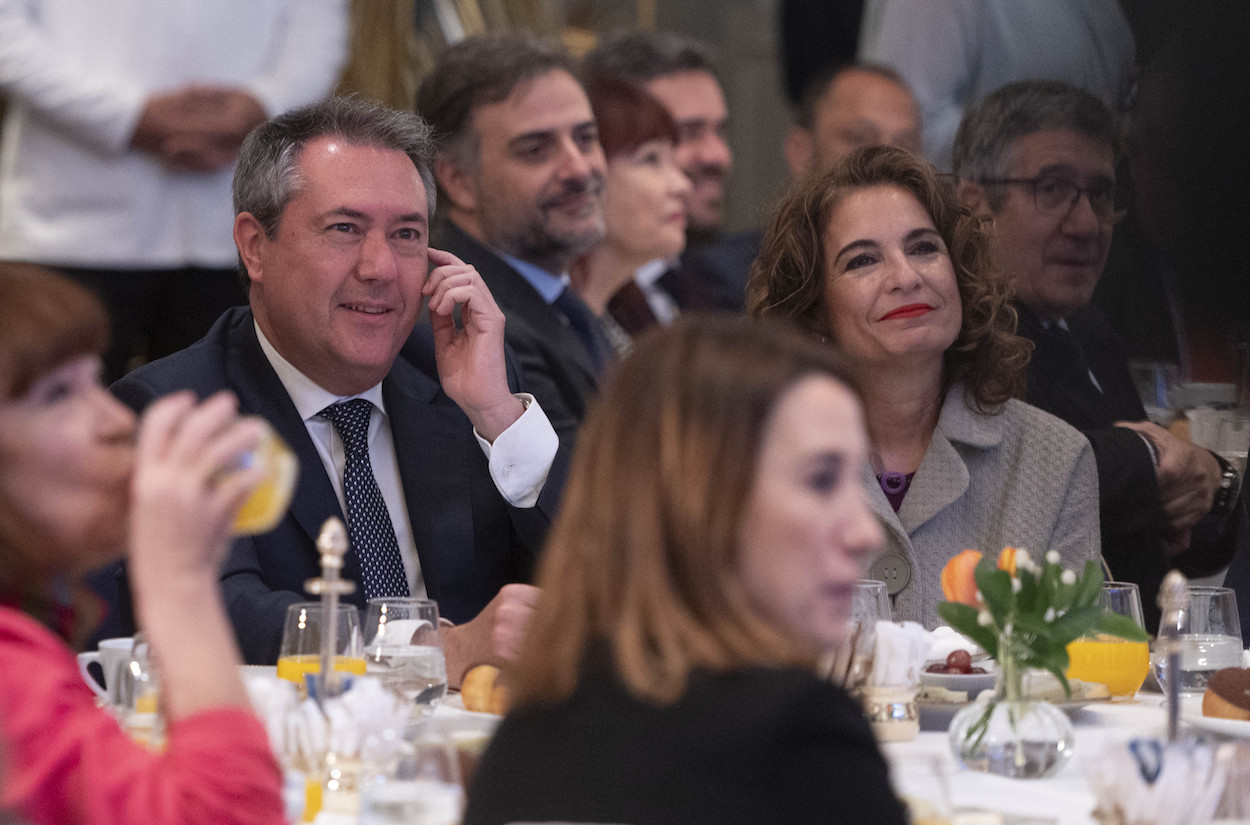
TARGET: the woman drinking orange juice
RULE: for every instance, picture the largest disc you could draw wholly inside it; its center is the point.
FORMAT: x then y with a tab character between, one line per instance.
81	482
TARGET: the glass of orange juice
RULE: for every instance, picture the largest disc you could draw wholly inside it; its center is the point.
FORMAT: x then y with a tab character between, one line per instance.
300	653
267	504
1119	664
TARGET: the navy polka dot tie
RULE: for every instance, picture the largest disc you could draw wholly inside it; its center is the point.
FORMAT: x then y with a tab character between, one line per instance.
368	523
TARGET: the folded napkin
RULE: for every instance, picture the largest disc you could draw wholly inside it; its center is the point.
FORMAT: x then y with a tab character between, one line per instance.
365	721
898	654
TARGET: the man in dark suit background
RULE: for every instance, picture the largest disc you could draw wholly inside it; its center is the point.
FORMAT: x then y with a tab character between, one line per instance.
1039	159
332	216
521	171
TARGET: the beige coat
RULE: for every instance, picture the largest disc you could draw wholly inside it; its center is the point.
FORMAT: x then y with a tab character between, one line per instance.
1021	477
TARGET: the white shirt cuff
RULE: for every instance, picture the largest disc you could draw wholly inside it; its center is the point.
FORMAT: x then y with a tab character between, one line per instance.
521	456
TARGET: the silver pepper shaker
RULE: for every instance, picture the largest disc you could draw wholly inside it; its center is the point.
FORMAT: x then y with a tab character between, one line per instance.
332	544
1173	602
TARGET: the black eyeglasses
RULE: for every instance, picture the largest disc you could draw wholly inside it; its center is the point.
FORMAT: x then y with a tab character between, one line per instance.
1057	195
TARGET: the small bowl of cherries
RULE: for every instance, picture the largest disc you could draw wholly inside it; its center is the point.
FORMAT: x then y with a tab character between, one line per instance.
959	673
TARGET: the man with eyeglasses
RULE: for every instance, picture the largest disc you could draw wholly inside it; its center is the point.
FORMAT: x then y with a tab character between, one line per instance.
1038	159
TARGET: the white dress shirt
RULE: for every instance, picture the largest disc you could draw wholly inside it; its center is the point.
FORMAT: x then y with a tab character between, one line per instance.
662	305
519	460
76	76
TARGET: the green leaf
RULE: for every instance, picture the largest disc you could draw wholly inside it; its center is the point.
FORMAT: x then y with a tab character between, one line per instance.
1087	586
1055	659
995	587
1077	622
964	619
1121	626
1030	599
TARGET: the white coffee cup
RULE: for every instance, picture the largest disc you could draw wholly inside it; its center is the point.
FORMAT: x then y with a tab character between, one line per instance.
111	656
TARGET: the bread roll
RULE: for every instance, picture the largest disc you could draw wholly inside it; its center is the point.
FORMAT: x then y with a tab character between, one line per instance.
481	690
1228	694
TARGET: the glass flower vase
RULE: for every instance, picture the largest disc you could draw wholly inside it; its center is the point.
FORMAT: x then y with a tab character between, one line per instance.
1007	734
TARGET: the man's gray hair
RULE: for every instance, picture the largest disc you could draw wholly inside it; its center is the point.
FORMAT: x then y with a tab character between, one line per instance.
267	176
640	57
990	128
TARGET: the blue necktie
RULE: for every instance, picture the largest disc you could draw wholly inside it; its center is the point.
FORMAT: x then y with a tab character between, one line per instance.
368	523
584	325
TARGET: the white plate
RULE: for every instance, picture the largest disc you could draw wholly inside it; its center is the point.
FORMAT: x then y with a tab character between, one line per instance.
1191	712
938	715
969	683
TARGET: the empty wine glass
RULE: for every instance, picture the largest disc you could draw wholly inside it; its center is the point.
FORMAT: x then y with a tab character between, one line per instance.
404	649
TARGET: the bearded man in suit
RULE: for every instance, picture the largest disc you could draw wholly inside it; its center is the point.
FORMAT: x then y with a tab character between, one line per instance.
455	471
521	171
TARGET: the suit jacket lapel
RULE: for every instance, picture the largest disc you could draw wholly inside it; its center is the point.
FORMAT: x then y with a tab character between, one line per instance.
521	301
1054	387
429	451
261	392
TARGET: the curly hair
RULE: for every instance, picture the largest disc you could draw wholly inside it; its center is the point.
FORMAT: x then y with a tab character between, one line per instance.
789	277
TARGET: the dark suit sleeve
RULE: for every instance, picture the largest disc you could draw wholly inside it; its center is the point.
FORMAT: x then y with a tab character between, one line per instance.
1128	491
257	611
539	381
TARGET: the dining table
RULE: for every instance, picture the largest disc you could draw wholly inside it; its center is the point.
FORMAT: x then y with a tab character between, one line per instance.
925	769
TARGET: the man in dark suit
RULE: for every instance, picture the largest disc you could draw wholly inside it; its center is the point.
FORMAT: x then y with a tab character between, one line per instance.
455	472
1039	159
521	171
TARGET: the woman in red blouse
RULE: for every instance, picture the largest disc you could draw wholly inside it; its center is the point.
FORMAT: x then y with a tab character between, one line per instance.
81	482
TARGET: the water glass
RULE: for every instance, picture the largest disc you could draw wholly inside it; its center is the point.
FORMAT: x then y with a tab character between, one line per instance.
1119	664
1157	384
403	648
139	695
421	787
870	603
300	654
1233	439
1210	639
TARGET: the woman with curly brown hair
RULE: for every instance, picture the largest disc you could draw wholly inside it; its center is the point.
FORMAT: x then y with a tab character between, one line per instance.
878	255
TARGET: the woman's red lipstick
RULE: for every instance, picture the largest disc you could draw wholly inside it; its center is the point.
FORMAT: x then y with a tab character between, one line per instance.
909	311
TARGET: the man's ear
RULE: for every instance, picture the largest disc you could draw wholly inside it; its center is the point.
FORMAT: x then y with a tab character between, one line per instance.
459	185
249	238
798	150
972	195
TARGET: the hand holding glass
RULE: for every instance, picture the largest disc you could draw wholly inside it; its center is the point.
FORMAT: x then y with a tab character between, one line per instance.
266	505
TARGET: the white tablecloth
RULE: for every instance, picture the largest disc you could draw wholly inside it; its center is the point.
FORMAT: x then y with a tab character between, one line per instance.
1064	799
